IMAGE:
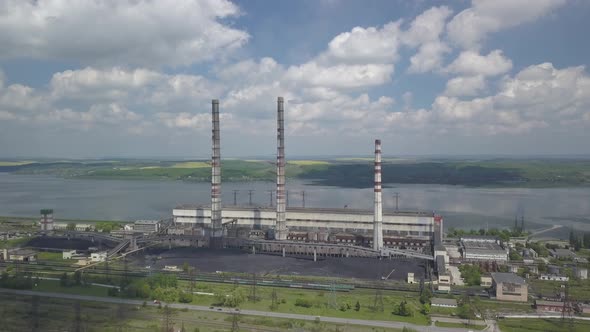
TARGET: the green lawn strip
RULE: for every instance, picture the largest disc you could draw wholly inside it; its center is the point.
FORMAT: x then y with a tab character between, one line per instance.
55	287
460	325
537	324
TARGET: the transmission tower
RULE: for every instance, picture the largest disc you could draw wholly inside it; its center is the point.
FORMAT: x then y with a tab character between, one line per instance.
270	192
108	269
234	322
568	307
236	197
333	301
274	300
378	300
250	197
253	296
35	313
77	317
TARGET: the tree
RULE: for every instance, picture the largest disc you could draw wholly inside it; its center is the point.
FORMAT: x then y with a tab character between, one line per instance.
403	309
185	297
77	278
357	306
426	309
185	267
425	295
63	280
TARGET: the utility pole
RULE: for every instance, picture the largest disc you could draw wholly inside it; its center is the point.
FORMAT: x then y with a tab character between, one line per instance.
287	197
396	201
236	197
250	196
303	198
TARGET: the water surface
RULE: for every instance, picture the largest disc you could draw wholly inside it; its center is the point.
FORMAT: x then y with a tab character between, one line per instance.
25	195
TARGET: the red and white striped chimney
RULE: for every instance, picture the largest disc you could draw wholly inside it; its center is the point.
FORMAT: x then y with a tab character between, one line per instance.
378	216
216	227
281	223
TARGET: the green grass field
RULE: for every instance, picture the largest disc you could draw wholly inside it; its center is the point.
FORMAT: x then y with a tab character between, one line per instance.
54	286
460	325
25	313
322	302
15	163
552	325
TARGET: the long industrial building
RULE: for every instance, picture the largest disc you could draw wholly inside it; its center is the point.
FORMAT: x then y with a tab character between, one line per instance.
400	229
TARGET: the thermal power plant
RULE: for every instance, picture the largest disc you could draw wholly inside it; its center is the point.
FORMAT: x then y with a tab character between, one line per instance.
366	233
216	227
378	214
281	227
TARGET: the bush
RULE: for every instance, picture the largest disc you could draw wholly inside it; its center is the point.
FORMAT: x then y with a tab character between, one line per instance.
185	297
303	303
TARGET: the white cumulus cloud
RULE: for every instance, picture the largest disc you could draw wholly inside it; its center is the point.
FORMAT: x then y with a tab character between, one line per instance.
471	26
139	33
472	63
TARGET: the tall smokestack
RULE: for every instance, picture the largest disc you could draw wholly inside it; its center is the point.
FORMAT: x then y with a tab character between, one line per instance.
216	229
378	217
281	225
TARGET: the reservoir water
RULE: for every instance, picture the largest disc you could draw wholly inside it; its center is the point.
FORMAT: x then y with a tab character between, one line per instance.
465	207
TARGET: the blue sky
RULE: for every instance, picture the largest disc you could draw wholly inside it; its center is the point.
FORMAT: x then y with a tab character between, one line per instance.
131	79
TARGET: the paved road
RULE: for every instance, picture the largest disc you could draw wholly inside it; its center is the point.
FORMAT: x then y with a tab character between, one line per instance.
346	321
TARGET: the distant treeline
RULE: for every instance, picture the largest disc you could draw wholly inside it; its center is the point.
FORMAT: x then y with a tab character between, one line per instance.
353	174
361	175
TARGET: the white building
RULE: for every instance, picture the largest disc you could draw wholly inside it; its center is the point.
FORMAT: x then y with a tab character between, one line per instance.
68	254
553	277
483	248
444	303
581	273
98	256
146	226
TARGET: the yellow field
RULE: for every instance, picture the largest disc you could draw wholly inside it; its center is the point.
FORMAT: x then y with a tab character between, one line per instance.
354	159
308	162
15	163
191	164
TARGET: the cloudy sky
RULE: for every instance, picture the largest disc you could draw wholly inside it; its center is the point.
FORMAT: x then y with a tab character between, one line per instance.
136	78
